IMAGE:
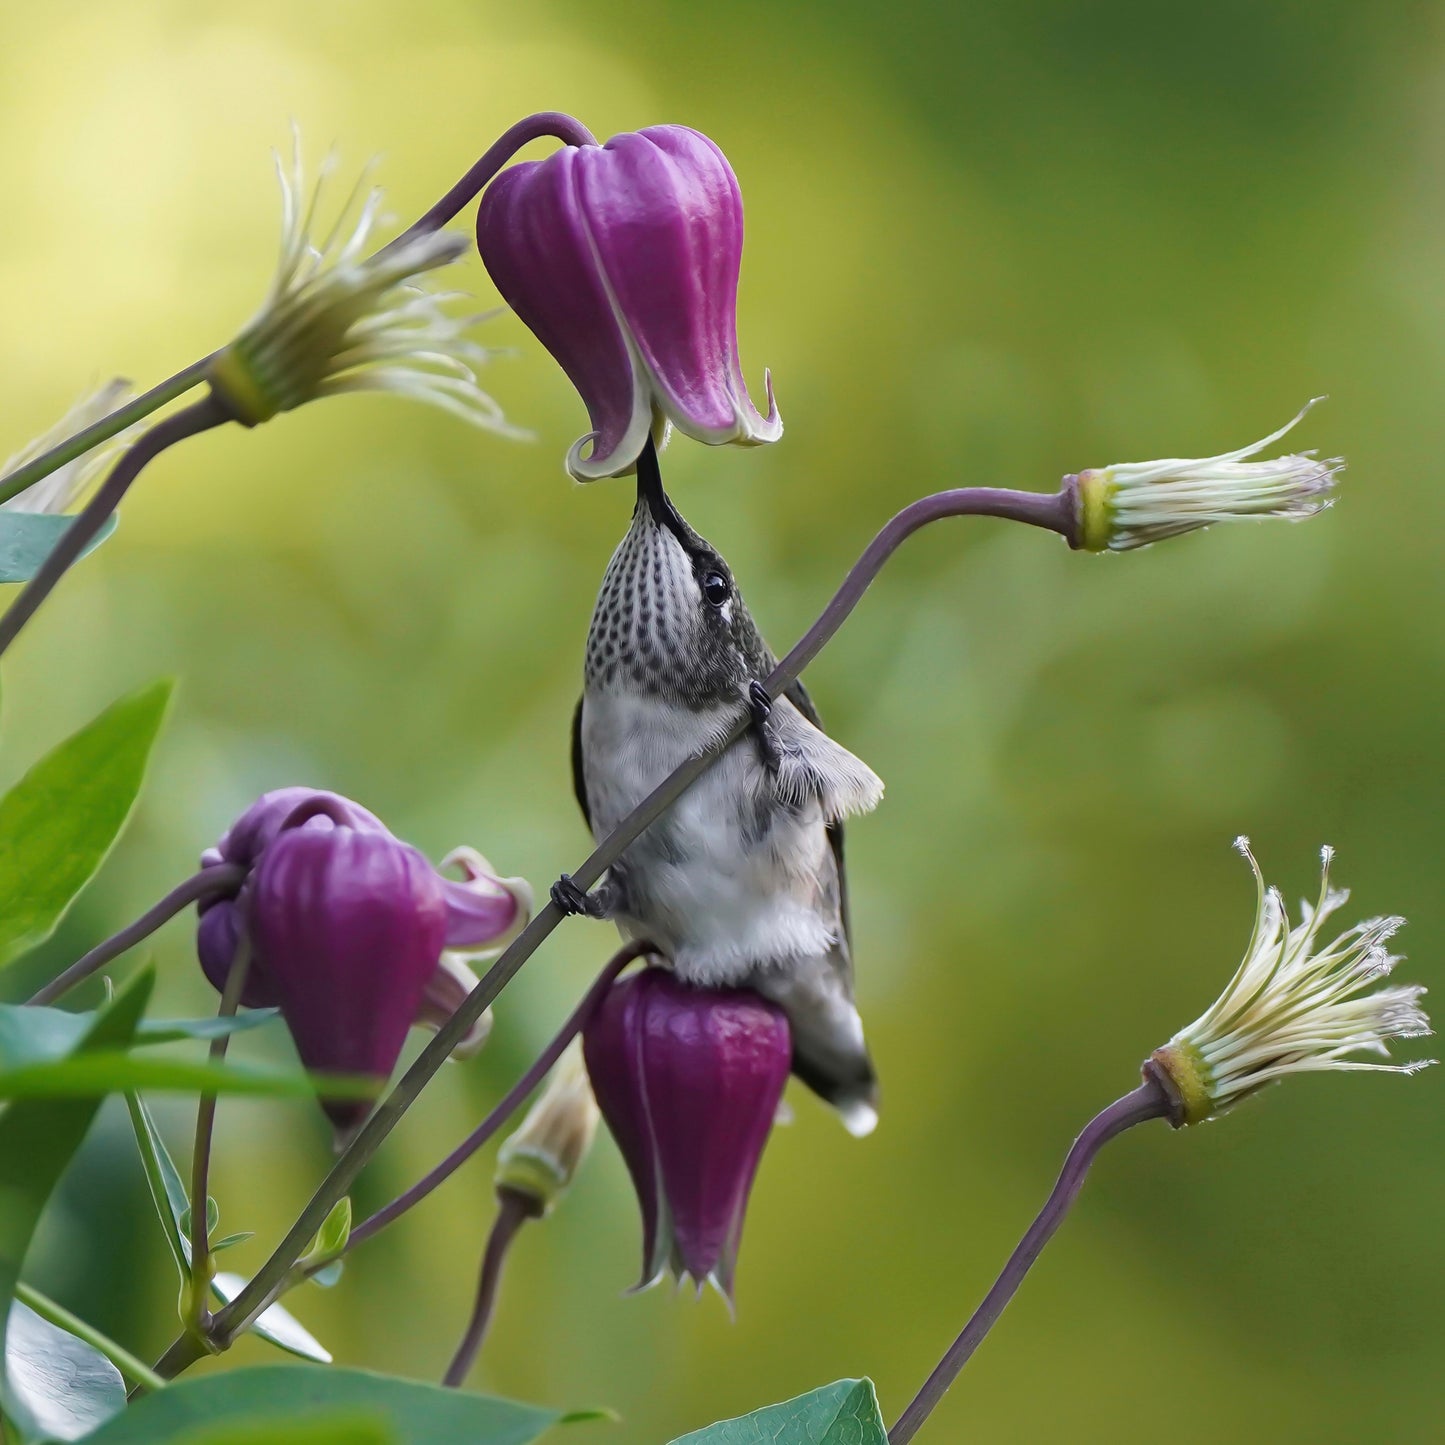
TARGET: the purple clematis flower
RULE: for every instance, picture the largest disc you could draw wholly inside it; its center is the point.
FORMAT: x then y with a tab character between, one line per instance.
623	259
353	934
688	1080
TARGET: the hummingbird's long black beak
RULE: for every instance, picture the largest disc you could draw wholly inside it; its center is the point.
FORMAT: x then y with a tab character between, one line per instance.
649	484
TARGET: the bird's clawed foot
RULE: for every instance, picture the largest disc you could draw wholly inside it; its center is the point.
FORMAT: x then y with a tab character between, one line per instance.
760	705
574	900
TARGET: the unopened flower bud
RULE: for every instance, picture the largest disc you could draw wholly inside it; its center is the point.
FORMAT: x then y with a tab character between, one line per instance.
338	320
1132	504
1294	1006
541	1159
623	259
688	1080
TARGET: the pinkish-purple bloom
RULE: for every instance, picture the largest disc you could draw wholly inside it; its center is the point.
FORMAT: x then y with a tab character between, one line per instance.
353	934
623	259
688	1080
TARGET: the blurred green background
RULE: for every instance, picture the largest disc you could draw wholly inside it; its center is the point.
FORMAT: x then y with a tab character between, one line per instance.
987	243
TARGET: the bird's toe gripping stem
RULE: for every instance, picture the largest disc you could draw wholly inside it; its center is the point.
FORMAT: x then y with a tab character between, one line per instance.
760	705
574	900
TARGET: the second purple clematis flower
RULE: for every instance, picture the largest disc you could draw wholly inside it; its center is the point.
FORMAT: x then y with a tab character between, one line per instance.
689	1081
352	933
623	259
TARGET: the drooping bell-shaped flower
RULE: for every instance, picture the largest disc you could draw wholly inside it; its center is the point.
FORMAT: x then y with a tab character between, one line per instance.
350	923
352	933
623	259
688	1080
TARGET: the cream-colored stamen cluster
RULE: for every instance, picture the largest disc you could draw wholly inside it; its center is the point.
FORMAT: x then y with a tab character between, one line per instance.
1132	504
1294	1006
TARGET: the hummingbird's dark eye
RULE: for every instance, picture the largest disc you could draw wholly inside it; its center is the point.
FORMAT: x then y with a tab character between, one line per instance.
715	588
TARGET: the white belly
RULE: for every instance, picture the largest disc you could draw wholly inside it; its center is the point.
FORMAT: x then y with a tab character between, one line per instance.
729	879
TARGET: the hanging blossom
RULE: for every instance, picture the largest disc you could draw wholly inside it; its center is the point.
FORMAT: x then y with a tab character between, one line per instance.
623	259
338	320
1294	1006
351	932
689	1081
541	1158
67	484
1132	504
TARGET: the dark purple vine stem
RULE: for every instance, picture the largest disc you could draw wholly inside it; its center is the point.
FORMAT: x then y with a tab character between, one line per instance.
1148	1101
219	879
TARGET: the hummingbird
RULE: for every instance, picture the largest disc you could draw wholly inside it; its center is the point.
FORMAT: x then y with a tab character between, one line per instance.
741	883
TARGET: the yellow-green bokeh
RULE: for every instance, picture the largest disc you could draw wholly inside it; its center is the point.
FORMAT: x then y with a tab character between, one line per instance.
987	243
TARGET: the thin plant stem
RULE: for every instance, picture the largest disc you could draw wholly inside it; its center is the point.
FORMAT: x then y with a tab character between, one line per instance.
118	1355
198	1314
218	879
554	123
513	1211
1148	1101
515	1097
199	416
102	430
1058	512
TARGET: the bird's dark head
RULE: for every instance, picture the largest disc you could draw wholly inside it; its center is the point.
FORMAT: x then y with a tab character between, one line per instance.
669	620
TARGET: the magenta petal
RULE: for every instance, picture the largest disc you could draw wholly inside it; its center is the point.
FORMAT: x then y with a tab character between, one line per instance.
476	916
217	935
245	840
534	243
350	923
612	1050
666	216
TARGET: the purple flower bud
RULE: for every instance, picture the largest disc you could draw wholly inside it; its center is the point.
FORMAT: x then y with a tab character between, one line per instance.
350	922
688	1081
623	259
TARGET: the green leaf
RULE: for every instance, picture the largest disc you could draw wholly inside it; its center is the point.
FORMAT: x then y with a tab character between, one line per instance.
232	1240
113	1071
34	1035
329	1244
28	538
163	1179
213	1218
60	820
275	1323
37	1139
67	1387
417	1414
345	1427
843	1413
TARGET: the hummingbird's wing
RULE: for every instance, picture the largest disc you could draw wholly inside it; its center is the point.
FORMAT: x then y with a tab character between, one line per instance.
579	783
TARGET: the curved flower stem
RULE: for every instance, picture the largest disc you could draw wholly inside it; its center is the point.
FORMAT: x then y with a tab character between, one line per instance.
99	431
118	1355
199	416
198	1314
515	1097
217	879
1148	1101
1056	511
564	128
513	1211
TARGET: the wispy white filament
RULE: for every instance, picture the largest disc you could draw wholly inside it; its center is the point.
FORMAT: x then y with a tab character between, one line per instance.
1296	1006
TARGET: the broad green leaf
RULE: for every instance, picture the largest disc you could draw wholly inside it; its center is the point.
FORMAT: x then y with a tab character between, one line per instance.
274	1323
343	1427
67	1387
114	1071
843	1413
60	820
163	1179
37	1139
418	1414
34	1035
28	538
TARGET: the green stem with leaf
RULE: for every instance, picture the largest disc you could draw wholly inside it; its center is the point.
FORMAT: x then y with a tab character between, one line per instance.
133	1369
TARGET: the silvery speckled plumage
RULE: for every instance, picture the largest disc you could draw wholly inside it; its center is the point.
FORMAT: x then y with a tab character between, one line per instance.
741	882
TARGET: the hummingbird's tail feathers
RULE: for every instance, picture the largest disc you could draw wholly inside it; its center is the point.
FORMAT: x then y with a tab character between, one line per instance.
829	1053
812	765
